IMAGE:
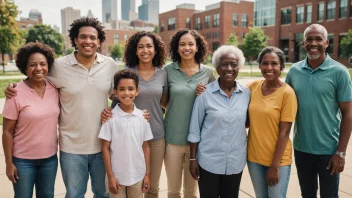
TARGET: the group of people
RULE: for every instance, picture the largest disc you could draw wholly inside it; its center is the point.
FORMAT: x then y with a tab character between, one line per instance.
202	138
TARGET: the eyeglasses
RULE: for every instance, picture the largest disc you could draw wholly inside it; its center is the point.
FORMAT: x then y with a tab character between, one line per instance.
225	65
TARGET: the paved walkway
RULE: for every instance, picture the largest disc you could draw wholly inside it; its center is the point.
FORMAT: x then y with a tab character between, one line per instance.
246	189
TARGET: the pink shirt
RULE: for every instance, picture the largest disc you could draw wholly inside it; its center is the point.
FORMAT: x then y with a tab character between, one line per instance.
35	134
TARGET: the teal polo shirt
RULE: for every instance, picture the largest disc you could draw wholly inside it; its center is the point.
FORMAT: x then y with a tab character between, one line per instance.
182	93
319	92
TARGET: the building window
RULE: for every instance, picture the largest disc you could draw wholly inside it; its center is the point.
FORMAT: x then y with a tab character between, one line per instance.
216	20
330	10
286	16
116	39
244	20
171	25
162	27
330	48
198	23
321	12
340	49
207	21
188	23
216	45
308	13
343	9
299	14
235	19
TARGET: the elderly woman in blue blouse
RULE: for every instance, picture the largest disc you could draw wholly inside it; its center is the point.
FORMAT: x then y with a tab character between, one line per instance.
217	131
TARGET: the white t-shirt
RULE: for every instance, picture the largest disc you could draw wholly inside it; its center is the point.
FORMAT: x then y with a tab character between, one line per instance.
127	132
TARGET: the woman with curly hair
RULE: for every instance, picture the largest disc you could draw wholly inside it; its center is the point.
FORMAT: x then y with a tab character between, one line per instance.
145	54
188	50
30	125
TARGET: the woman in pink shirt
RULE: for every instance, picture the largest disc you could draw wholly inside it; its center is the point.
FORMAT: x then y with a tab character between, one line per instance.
30	125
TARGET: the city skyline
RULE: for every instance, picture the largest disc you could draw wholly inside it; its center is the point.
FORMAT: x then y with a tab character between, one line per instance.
52	14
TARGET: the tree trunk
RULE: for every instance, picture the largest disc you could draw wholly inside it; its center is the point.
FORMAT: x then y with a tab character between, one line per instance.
3	61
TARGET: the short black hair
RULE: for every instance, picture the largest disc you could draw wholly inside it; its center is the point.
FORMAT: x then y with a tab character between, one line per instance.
131	59
277	51
125	74
201	43
84	22
30	48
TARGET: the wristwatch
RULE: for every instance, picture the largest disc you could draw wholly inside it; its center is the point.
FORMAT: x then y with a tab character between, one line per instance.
341	154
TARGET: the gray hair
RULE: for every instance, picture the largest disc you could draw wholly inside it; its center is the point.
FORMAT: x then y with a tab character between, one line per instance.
227	49
316	26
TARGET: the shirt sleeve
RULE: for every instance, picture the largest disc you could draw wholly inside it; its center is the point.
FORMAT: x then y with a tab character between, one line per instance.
54	75
11	109
289	108
198	114
148	135
212	76
344	88
105	131
166	85
114	69
288	78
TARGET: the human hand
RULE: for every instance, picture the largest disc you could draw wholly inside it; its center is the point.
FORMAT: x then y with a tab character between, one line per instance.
194	169
200	88
114	185
10	91
146	115
106	115
337	164
11	172
146	184
273	176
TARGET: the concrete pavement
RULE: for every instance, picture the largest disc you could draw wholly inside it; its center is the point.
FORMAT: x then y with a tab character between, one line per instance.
246	189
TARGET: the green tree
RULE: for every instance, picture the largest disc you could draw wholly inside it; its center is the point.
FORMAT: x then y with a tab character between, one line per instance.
69	50
156	29
45	34
346	44
116	51
232	40
253	42
10	35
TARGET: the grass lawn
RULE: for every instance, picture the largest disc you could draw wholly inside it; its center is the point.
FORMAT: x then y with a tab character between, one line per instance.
10	73
4	83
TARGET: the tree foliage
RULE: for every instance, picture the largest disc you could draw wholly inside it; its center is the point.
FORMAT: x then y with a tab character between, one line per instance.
116	51
253	42
156	29
232	40
69	50
346	44
10	35
45	34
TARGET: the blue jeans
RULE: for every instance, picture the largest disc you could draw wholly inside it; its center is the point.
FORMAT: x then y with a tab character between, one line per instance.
309	167
76	169
40	173
260	185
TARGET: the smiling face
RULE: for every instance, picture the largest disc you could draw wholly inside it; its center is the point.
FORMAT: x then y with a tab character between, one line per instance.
270	66
145	50
315	43
187	47
228	68
126	91
87	42
37	67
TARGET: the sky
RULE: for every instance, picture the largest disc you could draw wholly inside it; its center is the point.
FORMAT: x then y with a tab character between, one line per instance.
51	9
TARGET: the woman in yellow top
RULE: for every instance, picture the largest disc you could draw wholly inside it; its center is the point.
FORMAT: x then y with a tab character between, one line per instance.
272	110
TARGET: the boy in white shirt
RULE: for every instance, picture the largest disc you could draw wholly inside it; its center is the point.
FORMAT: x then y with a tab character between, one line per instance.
125	142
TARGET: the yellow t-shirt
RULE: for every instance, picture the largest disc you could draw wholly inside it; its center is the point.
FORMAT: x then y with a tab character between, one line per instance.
265	114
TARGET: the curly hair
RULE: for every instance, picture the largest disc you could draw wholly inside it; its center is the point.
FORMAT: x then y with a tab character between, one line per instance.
125	74
131	59
202	45
30	48
277	51
83	22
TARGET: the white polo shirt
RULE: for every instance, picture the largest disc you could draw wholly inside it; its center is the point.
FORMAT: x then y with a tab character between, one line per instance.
83	96
127	132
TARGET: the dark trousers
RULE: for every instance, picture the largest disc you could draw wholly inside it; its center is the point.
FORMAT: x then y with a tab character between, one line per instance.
215	185
309	168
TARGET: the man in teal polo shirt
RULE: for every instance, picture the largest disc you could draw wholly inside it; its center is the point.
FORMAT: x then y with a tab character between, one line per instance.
324	118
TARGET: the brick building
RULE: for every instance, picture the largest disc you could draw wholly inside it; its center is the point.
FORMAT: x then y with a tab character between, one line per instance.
293	16
115	37
216	23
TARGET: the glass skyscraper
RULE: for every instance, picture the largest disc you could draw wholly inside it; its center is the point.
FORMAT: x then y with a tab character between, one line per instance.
264	13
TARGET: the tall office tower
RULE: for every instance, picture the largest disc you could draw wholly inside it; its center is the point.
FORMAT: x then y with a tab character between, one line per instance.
153	11
143	12
90	14
106	10
114	10
34	14
264	12
68	15
127	7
